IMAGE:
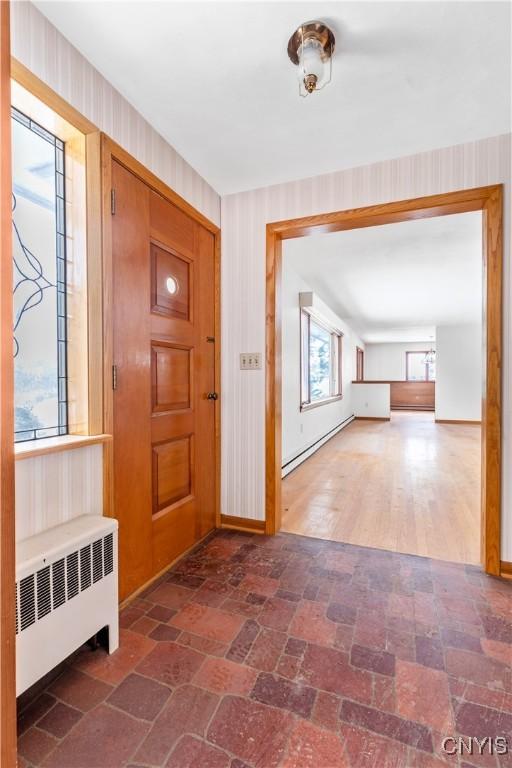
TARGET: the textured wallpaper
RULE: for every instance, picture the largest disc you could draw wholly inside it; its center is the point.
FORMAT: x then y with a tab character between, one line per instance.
244	217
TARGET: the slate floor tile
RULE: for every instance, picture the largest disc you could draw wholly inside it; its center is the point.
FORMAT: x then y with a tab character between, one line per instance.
139	696
235	724
104	738
171	664
286	652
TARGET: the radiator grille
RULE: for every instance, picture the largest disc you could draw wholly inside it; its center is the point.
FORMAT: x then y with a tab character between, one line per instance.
27	601
85	568
44	593
59	583
72	573
40	593
97	560
108	553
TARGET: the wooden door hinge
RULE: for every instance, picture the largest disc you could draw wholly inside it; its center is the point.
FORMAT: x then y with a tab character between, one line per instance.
112	202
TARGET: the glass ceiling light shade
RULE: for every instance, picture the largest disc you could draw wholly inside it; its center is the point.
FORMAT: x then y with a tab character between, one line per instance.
311	48
430	357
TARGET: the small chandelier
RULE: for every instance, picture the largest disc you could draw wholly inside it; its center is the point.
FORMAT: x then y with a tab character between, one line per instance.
430	356
311	48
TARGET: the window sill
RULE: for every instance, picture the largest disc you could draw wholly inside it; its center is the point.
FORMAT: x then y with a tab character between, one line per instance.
32	448
318	403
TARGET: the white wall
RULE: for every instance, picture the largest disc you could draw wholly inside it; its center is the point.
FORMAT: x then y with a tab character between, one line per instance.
244	219
53	488
372	400
459	373
387	361
301	429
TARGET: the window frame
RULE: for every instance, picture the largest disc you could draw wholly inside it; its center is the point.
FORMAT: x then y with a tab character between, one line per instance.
359	364
417	352
336	378
61	282
85	380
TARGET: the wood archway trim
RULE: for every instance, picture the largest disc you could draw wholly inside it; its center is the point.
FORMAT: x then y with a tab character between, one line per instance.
489	200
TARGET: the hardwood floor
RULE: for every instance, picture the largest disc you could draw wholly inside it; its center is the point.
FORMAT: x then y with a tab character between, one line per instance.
406	485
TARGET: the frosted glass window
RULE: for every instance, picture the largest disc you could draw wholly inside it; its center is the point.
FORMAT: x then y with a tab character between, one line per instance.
39	289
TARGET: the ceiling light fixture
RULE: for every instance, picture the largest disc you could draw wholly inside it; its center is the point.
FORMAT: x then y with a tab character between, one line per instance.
311	48
430	356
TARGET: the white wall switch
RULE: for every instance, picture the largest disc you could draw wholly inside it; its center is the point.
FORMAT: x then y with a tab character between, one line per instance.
250	361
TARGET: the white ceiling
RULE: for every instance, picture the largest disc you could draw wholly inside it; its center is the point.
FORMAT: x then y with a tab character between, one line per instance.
215	80
398	281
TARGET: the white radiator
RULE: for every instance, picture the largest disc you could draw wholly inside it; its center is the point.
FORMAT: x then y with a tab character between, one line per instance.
66	591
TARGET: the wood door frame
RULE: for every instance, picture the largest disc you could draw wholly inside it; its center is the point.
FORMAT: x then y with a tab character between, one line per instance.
489	200
359	354
111	151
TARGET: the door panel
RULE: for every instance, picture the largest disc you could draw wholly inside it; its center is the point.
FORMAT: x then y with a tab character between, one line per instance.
164	279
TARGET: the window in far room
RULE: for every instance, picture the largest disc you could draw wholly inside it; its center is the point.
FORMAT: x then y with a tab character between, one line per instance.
359	364
417	368
321	359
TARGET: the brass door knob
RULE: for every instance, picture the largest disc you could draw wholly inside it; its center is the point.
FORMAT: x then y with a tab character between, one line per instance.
212	396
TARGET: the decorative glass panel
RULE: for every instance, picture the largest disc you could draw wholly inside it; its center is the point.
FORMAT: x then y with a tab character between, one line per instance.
39	290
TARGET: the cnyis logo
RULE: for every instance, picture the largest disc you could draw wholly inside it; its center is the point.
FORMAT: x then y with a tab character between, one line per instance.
472	745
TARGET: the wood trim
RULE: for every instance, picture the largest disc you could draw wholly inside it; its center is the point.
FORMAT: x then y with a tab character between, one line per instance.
108	337
148	177
7	523
94	282
506	569
242	524
31	449
390	381
32	83
491	404
372	418
359	356
273	383
462	201
218	383
458	421
159	575
490	201
426	408
111	151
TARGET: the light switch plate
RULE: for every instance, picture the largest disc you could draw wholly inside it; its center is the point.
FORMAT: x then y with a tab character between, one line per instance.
250	361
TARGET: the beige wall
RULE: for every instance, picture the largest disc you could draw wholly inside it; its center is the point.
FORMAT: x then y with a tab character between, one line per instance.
244	217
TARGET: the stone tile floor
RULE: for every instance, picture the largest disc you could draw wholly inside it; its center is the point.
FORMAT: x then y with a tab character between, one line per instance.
289	652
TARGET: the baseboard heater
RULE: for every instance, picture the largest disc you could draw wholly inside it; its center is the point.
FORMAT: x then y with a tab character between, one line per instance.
287	467
66	592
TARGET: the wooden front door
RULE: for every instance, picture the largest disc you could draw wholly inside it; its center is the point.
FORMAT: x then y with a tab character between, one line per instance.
163	377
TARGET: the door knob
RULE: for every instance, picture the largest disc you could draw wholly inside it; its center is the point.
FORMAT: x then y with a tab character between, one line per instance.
212	396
